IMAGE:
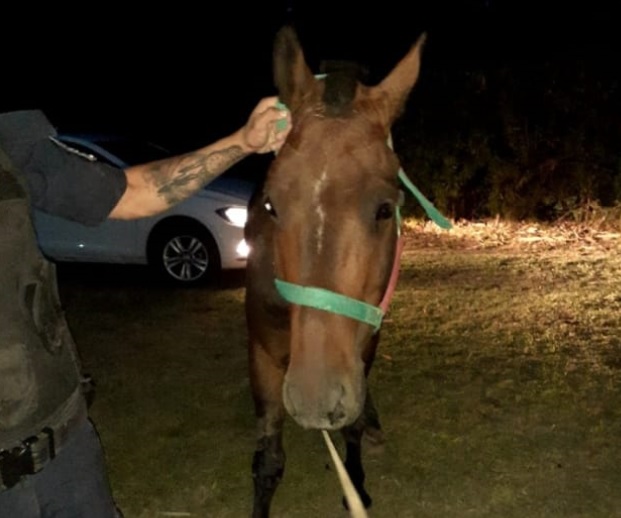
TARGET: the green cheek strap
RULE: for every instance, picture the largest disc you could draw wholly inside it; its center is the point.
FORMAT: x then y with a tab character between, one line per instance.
330	301
431	211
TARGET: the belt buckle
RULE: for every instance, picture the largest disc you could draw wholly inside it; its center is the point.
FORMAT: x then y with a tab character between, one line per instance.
26	459
42	449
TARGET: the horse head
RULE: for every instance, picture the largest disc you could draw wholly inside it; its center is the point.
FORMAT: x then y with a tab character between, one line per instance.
330	204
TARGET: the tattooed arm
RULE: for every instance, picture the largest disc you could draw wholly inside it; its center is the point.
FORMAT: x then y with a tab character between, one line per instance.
156	186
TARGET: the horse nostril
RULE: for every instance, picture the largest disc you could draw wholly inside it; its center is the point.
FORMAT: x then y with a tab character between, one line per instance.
337	415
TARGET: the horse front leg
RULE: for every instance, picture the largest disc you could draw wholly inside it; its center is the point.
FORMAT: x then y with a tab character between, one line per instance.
268	463
368	423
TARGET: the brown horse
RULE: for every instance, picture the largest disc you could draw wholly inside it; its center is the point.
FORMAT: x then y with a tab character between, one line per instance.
325	219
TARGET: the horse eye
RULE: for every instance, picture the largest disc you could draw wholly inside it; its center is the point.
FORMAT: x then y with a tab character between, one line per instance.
384	211
269	207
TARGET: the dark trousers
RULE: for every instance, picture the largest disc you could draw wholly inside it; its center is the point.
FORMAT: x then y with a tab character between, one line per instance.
73	485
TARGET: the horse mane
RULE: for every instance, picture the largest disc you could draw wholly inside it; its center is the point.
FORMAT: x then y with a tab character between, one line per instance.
341	82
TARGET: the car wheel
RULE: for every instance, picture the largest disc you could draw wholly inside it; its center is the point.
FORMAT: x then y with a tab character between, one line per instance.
185	253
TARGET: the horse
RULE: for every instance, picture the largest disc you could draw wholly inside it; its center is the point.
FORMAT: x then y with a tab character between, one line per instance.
323	226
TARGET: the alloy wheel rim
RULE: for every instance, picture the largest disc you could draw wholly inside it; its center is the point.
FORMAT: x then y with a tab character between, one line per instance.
185	258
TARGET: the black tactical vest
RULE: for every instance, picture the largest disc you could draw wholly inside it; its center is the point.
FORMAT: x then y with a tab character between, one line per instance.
40	381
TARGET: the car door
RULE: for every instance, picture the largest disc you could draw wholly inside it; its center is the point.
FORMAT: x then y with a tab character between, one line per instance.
113	241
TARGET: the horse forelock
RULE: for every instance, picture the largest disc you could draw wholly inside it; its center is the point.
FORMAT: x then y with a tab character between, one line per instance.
339	93
341	83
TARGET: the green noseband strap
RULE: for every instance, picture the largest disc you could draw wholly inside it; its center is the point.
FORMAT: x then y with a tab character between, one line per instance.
326	300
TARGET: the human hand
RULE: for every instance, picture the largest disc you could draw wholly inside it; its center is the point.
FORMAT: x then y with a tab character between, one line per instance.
267	127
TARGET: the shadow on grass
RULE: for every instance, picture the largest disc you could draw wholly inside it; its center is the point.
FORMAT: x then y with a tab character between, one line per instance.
139	276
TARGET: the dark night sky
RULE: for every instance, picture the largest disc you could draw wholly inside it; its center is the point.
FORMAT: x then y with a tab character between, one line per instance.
186	75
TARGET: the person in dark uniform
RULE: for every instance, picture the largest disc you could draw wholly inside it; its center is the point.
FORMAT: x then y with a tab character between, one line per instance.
51	461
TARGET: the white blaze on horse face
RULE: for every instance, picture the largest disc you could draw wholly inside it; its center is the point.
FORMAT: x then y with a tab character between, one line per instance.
320	185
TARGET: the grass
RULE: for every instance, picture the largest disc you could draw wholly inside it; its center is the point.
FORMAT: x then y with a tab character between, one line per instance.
497	381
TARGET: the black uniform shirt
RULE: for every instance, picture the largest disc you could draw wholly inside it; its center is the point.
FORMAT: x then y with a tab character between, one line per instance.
61	181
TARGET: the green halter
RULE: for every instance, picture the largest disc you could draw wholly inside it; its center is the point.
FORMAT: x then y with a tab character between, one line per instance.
330	301
326	300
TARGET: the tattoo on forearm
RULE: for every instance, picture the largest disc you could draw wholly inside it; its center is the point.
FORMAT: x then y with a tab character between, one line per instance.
178	178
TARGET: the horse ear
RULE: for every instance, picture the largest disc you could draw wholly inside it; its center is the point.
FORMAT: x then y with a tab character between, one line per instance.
396	86
292	76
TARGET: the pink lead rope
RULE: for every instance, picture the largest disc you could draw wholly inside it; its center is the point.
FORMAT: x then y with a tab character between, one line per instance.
394	277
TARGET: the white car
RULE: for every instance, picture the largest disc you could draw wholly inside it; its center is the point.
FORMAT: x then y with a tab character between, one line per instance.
188	244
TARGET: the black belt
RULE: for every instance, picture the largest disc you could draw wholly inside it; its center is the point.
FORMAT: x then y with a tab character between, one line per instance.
35	452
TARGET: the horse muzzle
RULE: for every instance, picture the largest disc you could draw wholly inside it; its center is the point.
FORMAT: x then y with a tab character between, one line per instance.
324	402
337	406
325	384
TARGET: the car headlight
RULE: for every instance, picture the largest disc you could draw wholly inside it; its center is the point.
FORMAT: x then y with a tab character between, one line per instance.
236	216
243	250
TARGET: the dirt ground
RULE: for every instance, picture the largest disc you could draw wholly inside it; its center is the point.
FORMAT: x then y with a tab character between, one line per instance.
497	382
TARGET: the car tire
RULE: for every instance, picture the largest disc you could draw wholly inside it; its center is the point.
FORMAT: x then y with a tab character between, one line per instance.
183	252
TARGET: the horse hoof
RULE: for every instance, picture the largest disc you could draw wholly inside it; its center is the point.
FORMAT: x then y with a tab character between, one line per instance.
374	440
